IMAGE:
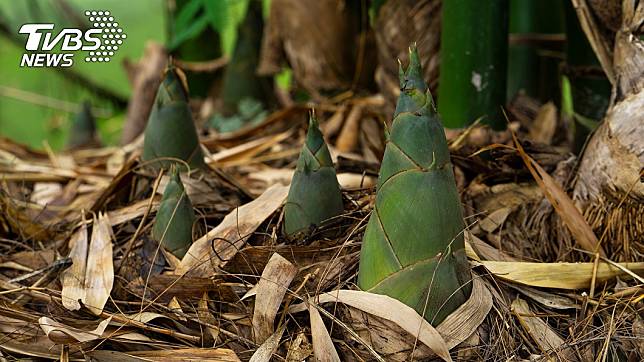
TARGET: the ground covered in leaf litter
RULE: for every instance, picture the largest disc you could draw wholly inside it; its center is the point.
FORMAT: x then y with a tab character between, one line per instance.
244	292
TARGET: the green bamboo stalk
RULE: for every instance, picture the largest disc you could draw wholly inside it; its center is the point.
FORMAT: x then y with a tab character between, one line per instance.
590	89
474	54
173	223
529	69
315	194
413	248
171	132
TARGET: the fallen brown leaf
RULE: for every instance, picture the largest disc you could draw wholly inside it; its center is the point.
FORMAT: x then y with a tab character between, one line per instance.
235	229
557	275
549	341
323	348
271	288
91	276
265	352
63	334
562	203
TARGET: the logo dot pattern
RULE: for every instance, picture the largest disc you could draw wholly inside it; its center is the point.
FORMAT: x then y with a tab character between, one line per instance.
112	35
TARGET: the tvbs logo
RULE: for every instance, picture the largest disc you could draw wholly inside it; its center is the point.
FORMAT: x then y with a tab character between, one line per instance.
47	48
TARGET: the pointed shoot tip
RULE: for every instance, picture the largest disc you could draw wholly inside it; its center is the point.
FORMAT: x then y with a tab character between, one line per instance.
313	122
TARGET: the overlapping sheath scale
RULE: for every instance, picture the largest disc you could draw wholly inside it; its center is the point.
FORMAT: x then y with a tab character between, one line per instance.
413	248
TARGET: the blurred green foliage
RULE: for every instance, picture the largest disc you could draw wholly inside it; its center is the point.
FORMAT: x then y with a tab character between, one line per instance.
568	107
23	116
222	16
249	112
33	124
284	79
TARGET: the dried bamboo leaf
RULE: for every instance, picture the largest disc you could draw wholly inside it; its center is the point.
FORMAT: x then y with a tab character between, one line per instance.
323	349
476	248
231	234
455	328
144	317
245	151
91	276
549	300
549	341
189	355
15	266
299	349
124	336
73	278
348	138
63	334
11	325
464	321
45	192
386	338
99	276
250	293
494	220
393	310
558	275
101	355
265	352
347	180
271	288
19	220
166	286
205	316
175	306
40	346
562	203
638	331
133	211
545	124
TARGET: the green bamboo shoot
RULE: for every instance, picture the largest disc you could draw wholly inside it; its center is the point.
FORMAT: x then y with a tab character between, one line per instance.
170	132
315	194
173	223
413	247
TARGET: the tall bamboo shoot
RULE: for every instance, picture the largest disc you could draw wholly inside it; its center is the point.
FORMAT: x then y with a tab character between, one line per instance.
413	248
